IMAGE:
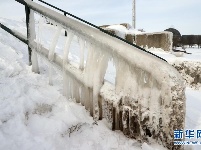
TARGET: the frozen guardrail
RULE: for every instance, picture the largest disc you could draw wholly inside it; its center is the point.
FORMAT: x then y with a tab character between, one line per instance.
14	33
148	98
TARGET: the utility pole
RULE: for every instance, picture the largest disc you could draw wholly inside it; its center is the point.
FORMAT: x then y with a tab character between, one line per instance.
134	14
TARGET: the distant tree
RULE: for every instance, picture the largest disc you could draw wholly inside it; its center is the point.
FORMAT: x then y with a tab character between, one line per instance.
190	40
198	41
184	40
176	36
176	41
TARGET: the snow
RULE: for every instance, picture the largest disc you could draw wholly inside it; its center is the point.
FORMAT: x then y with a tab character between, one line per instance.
25	94
119	30
108	92
147	147
178	54
195	56
35	115
122	31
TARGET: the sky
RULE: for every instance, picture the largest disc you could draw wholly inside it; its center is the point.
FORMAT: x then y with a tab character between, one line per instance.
151	15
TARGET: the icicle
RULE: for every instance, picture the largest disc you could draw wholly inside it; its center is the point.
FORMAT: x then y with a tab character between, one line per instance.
50	74
82	95
54	43
31	38
121	72
97	82
94	74
65	60
32	34
34	60
75	88
40	30
90	69
67	46
82	45
51	52
89	66
71	88
86	97
133	83
65	85
91	102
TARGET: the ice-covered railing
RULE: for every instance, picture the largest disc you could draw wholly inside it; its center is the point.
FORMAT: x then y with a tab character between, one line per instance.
97	27
148	97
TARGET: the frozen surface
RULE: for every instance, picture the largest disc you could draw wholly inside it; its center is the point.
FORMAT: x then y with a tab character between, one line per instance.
35	115
195	56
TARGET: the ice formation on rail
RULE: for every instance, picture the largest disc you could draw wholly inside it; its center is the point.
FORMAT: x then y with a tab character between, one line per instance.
31	38
66	84
148	96
39	32
95	70
82	47
52	51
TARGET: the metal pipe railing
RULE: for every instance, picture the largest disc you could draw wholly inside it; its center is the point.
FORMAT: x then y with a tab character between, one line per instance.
27	11
92	25
14	33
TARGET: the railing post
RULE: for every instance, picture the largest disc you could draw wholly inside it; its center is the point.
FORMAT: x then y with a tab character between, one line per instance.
27	11
31	36
65	30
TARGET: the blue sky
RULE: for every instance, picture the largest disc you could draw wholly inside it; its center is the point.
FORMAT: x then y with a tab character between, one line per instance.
152	15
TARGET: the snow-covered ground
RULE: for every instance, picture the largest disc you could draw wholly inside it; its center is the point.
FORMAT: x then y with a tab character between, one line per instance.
194	56
35	115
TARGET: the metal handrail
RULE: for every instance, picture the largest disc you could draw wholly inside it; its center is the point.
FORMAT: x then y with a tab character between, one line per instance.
14	33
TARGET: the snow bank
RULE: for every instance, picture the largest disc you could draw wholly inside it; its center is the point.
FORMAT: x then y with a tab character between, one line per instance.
122	31
119	30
